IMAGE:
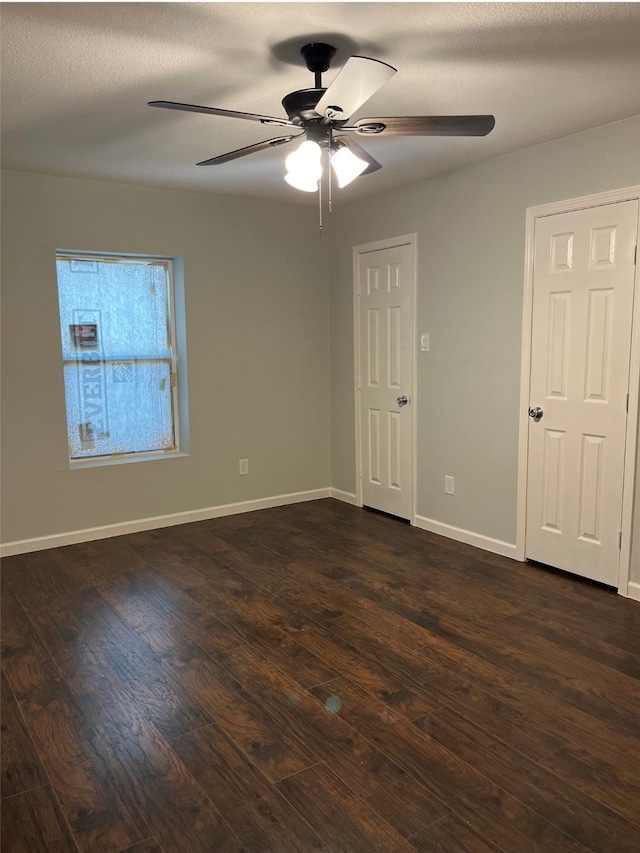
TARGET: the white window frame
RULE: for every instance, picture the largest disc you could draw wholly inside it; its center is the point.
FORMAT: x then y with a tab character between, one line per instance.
176	372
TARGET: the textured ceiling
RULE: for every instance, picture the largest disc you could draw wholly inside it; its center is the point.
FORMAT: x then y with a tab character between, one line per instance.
76	78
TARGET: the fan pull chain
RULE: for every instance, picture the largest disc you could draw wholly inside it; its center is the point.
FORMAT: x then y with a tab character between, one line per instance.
330	181
320	204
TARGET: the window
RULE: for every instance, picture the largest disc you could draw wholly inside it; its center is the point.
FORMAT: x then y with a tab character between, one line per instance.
120	370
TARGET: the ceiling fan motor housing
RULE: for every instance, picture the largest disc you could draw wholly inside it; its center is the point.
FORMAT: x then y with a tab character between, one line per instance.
300	106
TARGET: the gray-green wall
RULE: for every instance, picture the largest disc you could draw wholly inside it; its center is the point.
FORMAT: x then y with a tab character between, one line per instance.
257	330
471	238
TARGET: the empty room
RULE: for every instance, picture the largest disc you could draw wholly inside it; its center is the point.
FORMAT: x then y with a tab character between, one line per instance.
320	508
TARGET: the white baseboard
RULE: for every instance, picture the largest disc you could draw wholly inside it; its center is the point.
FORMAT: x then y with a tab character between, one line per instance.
496	546
345	497
25	546
633	590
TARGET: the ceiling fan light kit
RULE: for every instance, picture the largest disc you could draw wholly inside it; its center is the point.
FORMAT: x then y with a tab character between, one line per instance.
346	165
321	116
304	167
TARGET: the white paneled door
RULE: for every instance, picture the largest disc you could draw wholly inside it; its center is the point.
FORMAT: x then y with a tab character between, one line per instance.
583	288
385	297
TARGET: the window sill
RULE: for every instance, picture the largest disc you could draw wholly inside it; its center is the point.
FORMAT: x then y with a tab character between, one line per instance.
126	458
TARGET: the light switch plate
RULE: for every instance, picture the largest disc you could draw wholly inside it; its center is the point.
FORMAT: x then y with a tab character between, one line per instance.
424	342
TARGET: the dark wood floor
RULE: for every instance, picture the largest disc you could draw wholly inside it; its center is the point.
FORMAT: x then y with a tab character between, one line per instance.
314	677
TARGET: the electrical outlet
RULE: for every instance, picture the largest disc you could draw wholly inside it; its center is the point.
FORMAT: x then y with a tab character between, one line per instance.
448	485
243	466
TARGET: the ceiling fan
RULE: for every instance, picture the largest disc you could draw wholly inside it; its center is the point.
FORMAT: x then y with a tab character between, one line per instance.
322	115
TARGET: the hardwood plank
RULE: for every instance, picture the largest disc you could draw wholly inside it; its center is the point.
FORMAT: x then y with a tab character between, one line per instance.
549	712
85	627
626	641
585	684
32	823
526	586
21	766
313	595
331	807
100	819
259	816
151	782
604	781
302	663
439	667
468	792
259	620
108	558
426	591
425	601
157	608
444	684
292	546
367	673
550	594
451	835
166	551
436	683
595	688
204	536
149	845
40	578
258	734
212	536
591	648
151	778
174	682
241	556
420	557
23	652
575	813
405	806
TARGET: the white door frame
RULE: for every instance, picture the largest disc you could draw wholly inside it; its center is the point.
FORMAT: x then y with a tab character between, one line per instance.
534	213
358	251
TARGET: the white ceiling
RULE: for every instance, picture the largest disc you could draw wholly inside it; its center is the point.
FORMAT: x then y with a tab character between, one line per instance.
76	78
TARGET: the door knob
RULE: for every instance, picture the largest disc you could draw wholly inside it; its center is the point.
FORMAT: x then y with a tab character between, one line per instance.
402	401
536	413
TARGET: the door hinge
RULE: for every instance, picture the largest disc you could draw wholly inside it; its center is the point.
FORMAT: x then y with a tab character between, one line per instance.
635	256
627	401
620	541
174	380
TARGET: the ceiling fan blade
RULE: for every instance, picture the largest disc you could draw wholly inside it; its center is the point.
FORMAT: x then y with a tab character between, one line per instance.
359	151
425	126
194	108
359	79
249	149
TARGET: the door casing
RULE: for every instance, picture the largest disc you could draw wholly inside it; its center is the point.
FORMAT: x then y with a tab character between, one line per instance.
534	213
358	251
